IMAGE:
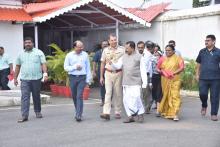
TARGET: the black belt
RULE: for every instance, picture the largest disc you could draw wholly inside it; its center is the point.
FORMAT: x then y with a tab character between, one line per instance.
77	75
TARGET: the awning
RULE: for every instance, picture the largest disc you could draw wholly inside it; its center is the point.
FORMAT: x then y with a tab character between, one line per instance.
82	13
14	14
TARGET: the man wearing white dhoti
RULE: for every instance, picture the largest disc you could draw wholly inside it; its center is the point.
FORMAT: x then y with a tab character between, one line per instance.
132	78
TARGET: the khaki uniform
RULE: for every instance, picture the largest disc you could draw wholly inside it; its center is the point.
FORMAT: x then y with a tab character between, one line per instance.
113	80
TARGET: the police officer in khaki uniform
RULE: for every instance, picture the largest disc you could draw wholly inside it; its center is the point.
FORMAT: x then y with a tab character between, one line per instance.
113	78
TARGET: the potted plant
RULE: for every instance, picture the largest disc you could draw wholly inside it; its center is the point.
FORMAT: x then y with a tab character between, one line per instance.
57	72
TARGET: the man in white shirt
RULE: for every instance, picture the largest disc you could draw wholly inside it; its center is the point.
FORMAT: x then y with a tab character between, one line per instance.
147	57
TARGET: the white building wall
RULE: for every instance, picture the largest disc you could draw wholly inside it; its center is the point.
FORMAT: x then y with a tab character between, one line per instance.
11	38
143	34
189	34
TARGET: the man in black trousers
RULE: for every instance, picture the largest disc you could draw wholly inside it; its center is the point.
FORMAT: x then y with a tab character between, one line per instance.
208	75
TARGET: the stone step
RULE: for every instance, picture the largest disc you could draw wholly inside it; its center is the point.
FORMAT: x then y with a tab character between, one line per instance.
13	98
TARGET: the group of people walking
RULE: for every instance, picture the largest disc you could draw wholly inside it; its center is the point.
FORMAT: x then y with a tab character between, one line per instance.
147	75
133	77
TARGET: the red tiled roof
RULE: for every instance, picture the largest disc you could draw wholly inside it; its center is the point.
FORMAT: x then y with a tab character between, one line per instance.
38	7
34	10
148	14
14	14
41	12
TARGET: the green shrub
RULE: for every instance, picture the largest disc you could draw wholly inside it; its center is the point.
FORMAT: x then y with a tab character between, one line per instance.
188	76
55	66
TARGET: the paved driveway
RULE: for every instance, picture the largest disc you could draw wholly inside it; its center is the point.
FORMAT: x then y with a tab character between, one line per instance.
59	129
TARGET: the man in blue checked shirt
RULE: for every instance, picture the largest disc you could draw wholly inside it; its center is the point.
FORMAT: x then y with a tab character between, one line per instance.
30	64
78	67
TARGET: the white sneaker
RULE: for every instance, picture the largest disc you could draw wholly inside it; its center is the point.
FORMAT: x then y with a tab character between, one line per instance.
176	118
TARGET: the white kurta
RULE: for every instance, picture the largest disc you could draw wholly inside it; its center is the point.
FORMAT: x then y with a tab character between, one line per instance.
132	93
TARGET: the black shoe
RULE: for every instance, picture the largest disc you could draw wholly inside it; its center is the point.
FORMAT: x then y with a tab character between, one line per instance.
147	111
23	119
39	115
157	114
154	107
78	119
129	120
102	104
214	118
203	111
105	116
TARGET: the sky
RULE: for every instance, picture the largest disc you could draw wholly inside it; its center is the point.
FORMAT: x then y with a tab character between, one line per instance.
176	4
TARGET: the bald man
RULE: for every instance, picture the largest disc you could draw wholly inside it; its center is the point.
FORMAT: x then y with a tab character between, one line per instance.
78	67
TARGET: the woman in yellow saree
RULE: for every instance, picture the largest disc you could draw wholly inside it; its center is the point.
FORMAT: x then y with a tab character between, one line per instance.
170	68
